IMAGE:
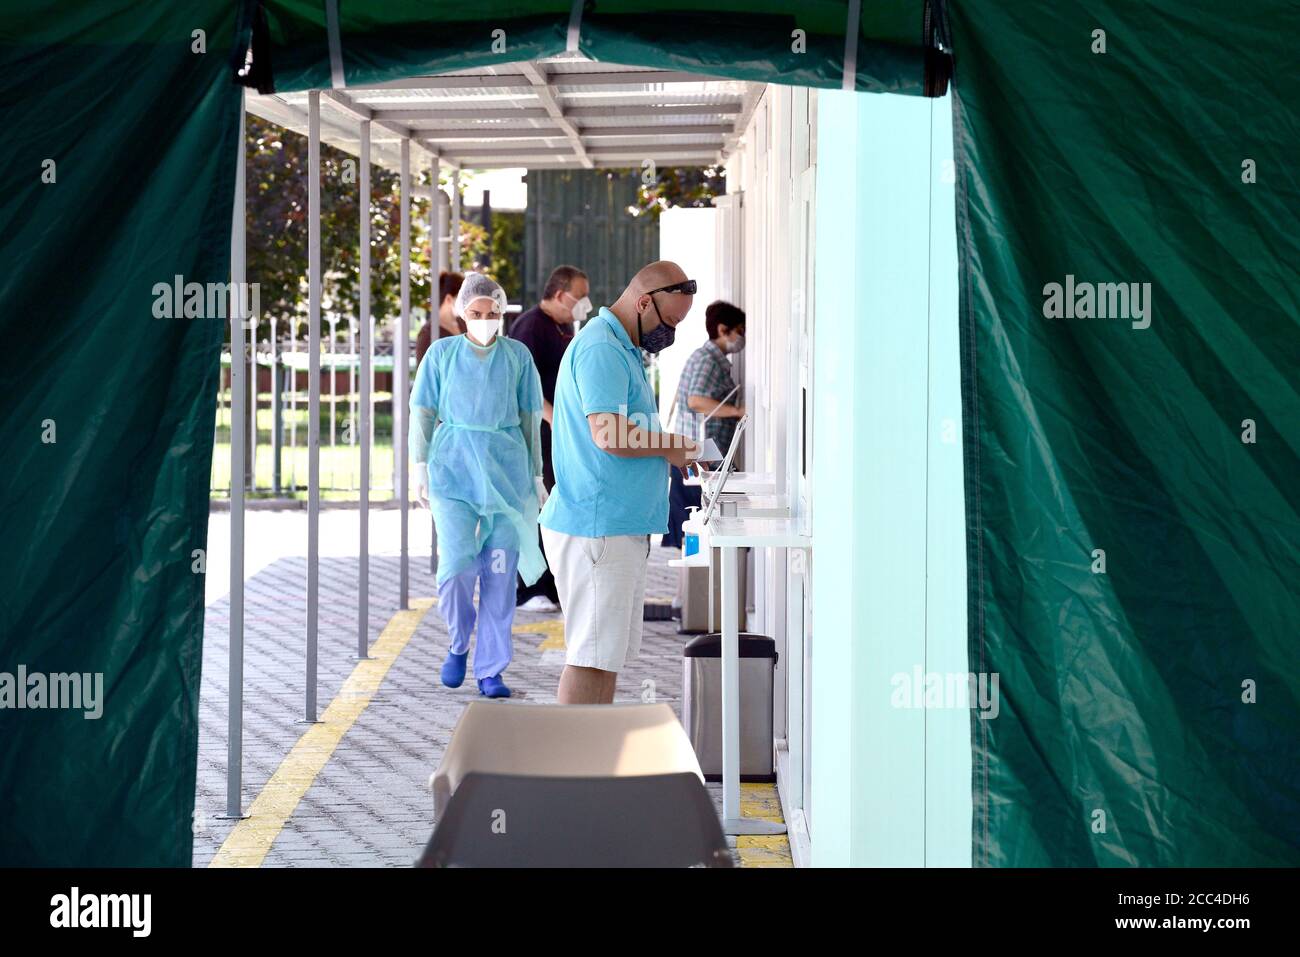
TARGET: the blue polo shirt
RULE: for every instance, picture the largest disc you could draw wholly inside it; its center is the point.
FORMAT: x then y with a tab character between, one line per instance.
596	492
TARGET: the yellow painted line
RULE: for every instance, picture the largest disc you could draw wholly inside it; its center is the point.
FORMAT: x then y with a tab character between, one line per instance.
250	840
762	850
760	801
552	633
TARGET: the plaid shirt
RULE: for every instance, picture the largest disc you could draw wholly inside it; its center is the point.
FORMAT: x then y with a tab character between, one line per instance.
708	373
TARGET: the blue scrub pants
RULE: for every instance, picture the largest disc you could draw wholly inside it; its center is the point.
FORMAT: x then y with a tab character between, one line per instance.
494	572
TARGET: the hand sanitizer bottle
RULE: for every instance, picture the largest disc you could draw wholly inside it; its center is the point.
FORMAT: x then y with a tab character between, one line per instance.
691	532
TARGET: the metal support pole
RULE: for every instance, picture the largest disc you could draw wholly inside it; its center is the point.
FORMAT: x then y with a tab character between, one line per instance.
794	678
730	653
277	414
435	257
371	332
334	396
235	680
402	372
437	263
292	374
455	220
353	374
367	377
733	822
251	326
444	220
313	401
485	217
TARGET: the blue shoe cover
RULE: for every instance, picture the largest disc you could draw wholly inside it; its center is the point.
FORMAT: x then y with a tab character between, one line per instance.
493	687
453	670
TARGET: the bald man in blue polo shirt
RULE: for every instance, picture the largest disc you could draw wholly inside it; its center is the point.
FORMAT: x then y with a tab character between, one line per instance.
611	478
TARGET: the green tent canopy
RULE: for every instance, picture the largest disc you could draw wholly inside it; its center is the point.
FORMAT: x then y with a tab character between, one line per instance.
760	40
1133	537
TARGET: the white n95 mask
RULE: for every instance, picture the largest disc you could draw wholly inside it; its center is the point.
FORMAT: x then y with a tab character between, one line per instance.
482	330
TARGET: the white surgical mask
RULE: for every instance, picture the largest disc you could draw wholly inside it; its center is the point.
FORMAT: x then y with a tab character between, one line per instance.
581	308
736	344
482	330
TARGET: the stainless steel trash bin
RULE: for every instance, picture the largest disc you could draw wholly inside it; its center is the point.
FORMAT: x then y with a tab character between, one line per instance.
702	704
693	593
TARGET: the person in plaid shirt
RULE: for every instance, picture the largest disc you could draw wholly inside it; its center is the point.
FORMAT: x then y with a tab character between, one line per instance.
705	383
706	378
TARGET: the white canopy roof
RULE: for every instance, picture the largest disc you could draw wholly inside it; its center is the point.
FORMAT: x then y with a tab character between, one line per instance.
561	112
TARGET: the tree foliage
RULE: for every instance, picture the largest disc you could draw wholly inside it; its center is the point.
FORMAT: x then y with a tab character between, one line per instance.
277	234
679	186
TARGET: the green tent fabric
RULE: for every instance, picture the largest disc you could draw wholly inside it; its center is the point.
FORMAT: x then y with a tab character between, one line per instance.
1122	692
107	463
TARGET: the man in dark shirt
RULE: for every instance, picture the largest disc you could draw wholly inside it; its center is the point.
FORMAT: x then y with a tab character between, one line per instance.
547	329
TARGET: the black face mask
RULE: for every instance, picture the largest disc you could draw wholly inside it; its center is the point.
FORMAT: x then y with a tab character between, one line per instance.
658	338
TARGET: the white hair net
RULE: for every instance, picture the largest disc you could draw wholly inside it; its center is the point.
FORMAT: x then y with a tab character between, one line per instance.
479	286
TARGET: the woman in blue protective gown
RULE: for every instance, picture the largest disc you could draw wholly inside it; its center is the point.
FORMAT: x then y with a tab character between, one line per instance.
475	446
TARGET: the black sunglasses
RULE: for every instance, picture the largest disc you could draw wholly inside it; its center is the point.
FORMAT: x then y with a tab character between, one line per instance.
686	288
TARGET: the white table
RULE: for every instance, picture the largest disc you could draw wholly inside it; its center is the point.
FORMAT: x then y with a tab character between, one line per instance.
731	534
751	483
754	506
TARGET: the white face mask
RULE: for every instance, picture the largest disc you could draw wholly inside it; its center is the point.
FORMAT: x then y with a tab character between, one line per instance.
482	330
581	308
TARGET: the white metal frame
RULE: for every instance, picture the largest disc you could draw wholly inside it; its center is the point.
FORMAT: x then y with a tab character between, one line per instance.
800	596
567	112
402	376
773	167
367	380
238	397
313	400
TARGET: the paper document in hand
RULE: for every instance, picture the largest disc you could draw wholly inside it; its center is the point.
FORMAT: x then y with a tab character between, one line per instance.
709	452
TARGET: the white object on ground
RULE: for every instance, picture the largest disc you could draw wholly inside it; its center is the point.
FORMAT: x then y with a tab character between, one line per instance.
541	604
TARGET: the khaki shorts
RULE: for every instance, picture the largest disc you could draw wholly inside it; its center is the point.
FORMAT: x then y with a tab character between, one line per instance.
601	582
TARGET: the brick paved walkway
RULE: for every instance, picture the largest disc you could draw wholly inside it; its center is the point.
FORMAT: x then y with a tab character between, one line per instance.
370	804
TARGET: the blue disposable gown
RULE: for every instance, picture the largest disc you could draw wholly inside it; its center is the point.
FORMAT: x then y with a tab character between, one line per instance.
476	419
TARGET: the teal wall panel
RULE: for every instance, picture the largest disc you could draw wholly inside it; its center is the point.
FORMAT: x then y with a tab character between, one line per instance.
891	785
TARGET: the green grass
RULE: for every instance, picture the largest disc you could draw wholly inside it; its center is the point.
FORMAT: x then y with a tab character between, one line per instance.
340	464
